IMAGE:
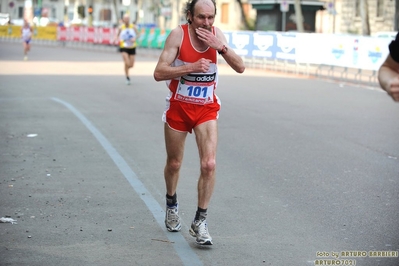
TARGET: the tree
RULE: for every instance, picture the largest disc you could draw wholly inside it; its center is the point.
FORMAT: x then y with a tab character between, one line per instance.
298	14
244	18
156	7
364	14
139	4
396	15
116	11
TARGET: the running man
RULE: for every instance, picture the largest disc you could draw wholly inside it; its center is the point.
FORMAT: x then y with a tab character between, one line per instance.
127	36
188	64
26	34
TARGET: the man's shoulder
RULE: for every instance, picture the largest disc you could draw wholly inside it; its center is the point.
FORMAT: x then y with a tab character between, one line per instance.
175	37
177	30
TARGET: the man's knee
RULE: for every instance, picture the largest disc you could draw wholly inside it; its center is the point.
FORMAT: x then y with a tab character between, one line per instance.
173	165
208	166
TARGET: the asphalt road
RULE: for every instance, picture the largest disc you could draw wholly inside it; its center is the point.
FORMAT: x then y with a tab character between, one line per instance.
308	170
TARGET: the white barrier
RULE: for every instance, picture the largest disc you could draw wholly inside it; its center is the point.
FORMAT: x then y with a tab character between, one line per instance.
345	58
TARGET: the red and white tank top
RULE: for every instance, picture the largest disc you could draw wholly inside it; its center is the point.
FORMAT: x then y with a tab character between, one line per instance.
194	88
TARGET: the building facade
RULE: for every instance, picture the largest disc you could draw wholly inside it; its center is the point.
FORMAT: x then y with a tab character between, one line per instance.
343	16
28	9
106	13
328	16
277	15
321	16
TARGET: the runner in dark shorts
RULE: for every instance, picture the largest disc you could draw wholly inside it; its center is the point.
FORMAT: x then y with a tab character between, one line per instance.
127	36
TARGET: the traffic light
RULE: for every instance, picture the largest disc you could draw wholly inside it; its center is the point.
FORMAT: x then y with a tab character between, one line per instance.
90	10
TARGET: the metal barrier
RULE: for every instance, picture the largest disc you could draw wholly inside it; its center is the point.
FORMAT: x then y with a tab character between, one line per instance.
328	72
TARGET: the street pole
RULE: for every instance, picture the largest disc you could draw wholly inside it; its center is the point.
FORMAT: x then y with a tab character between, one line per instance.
283	22
39	4
139	12
334	14
115	2
90	22
284	8
396	16
299	18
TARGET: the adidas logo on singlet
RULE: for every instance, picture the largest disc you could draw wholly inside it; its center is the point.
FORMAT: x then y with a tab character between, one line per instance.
205	78
200	78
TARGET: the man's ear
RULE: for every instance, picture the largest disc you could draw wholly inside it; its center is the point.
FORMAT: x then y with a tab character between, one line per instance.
189	17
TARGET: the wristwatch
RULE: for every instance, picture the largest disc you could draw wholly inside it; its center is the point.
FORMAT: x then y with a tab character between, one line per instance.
223	50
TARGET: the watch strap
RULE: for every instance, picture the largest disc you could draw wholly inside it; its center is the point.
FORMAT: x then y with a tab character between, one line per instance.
223	50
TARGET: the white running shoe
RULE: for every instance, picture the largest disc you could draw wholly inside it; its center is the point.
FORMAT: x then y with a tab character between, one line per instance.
199	230
172	219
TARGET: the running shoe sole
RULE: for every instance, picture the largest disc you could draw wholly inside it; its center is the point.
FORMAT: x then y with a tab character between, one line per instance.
176	229
204	243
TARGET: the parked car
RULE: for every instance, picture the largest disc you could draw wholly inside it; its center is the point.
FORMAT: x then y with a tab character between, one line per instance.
4	18
17	22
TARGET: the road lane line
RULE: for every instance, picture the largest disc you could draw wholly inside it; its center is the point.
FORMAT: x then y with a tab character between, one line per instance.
182	248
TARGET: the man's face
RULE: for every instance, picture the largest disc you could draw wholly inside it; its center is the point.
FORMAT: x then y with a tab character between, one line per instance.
204	15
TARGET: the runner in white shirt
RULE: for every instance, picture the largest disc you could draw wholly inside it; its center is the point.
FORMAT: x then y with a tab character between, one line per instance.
26	34
126	37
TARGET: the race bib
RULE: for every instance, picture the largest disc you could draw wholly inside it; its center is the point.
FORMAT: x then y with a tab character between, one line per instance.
196	88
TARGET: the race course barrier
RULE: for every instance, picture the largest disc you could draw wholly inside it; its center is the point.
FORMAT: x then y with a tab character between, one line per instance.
341	57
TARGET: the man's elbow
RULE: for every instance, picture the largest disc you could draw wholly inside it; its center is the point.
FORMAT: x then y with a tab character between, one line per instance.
240	69
157	76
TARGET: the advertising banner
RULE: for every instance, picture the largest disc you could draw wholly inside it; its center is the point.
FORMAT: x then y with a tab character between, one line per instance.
241	42
286	46
161	38
264	45
149	38
90	35
106	35
372	52
12	31
352	51
62	34
3	31
142	36
75	34
311	48
344	51
154	38
45	33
